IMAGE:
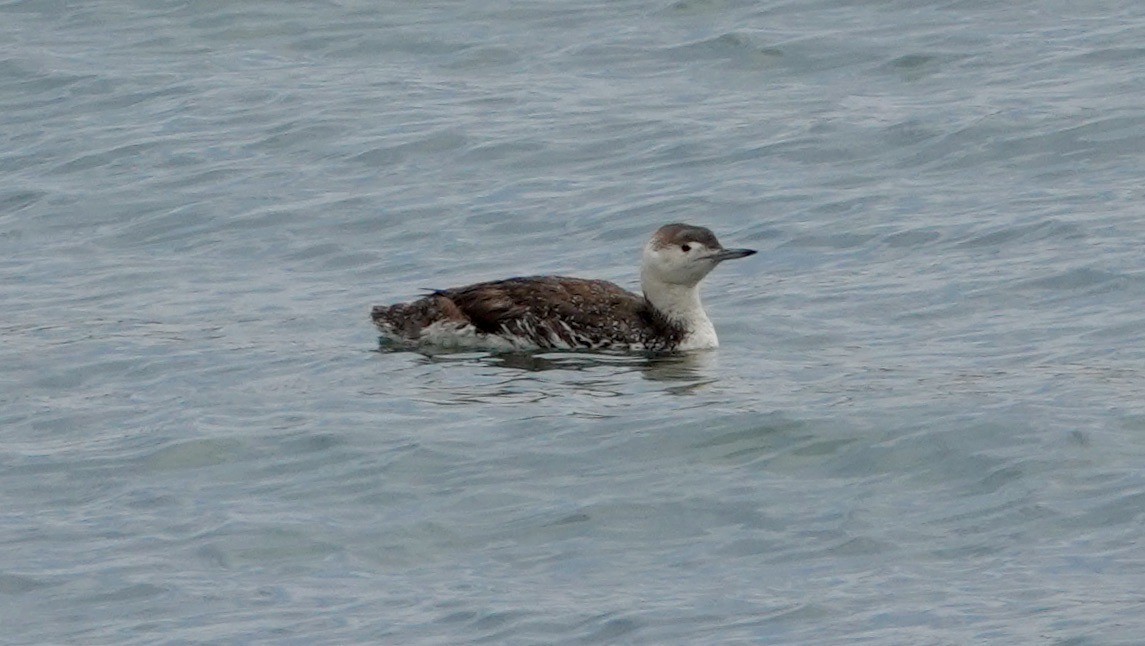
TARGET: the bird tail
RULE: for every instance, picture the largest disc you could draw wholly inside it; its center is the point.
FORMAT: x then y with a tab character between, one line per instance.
408	320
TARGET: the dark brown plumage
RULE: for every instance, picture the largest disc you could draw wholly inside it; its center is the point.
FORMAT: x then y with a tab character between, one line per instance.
548	311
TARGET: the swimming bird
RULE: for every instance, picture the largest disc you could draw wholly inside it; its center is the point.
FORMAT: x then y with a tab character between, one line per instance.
558	312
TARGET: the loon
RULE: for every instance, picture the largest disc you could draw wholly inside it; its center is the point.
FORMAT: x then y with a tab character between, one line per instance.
562	313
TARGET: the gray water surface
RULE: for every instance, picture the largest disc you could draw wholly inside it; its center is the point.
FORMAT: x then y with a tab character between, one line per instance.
924	424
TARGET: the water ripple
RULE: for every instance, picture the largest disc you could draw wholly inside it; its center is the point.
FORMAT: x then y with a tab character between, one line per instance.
924	419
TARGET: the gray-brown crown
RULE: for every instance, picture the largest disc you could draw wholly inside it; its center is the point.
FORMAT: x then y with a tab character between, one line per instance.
678	234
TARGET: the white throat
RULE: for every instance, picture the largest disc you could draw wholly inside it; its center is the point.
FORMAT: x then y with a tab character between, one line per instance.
681	304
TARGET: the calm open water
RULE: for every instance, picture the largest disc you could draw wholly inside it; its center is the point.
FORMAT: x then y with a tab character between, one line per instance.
925	424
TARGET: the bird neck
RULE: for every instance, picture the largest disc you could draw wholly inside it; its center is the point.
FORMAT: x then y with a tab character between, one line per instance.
681	305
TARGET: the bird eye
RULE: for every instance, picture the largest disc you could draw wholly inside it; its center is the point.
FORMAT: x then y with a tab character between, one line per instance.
685	248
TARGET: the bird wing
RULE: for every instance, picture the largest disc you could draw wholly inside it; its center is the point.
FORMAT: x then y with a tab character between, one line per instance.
550	309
